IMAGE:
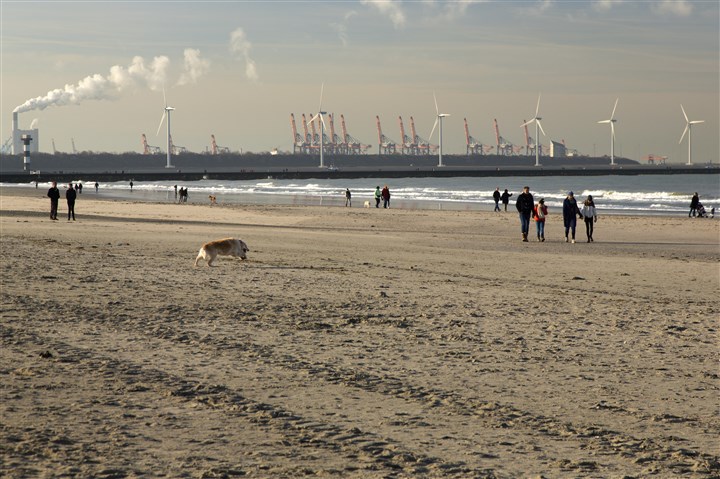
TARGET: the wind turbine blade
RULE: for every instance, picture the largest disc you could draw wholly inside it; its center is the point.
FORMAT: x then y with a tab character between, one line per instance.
537	109
541	128
323	122
612	117
162	119
164	98
605	121
433	129
687	127
322	89
684	114
612	130
314	118
437	111
695	122
527	123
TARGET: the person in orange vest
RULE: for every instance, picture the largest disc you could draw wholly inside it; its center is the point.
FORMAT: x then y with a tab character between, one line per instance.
539	213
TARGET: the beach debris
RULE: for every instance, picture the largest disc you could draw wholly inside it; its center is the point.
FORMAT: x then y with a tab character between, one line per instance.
383	294
578	278
46	355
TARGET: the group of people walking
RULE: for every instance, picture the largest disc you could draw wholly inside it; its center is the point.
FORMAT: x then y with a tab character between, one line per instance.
528	209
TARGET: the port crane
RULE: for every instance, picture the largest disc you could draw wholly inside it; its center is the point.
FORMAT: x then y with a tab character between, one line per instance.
422	146
474	147
148	149
385	144
215	149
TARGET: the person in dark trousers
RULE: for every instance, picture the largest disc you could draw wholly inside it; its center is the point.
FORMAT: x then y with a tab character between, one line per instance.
54	195
540	213
386	196
571	212
590	214
131	185
694	202
71	196
378	195
505	197
496	197
348	197
525	204
97	185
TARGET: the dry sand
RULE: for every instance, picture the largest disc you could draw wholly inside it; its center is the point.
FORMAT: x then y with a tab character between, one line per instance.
354	343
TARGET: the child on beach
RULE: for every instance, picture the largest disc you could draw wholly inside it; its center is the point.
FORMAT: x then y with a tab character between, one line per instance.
539	213
590	214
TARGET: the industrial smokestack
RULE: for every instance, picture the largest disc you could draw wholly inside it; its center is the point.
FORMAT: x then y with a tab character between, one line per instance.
15	122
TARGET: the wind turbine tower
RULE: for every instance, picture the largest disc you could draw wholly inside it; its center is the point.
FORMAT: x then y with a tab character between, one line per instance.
438	122
536	119
688	130
322	125
166	112
612	121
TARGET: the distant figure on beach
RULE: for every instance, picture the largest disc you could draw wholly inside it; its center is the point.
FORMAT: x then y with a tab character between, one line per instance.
505	198
570	210
496	197
70	196
525	204
213	200
97	185
539	213
712	212
590	214
694	202
175	192
182	194
348	197
131	185
36	184
378	195
386	196
54	195
185	195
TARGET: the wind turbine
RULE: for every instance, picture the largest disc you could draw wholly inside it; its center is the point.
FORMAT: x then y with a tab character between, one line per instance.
536	119
612	121
438	120
322	124
166	112
688	130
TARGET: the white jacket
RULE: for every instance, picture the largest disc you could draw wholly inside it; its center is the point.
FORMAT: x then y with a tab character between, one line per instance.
589	211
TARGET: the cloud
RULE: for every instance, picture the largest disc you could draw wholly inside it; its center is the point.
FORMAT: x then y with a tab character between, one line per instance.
605	5
391	8
681	8
341	27
240	46
195	67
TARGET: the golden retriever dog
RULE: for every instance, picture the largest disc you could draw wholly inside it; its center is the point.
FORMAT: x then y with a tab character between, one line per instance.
225	247
366	204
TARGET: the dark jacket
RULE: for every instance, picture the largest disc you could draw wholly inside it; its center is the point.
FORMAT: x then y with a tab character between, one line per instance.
70	196
53	194
506	197
694	202
525	204
496	196
570	209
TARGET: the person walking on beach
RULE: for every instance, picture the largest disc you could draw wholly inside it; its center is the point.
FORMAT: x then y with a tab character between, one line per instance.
54	195
570	210
505	197
131	185
590	214
694	202
175	192
496	197
97	185
378	195
539	213
525	204
386	197
70	196
348	197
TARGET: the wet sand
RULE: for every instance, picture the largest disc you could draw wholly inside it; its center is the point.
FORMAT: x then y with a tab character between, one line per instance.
354	343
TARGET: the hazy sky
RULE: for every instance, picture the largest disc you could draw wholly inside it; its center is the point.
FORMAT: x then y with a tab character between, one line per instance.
94	71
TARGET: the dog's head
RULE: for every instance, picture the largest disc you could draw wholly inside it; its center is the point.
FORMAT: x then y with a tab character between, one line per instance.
243	249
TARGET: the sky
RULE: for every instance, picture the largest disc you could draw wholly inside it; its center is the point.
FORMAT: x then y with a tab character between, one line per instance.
99	72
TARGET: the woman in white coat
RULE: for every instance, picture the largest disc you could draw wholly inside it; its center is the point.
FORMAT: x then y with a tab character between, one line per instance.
590	214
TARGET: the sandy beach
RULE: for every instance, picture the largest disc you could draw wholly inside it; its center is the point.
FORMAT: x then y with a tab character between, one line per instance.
353	342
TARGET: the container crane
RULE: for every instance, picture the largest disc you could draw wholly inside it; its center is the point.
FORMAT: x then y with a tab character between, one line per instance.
504	147
422	146
299	143
353	145
385	144
406	147
215	149
147	149
474	147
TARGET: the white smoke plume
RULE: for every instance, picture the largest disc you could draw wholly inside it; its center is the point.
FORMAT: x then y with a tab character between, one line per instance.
390	8
195	67
98	87
239	45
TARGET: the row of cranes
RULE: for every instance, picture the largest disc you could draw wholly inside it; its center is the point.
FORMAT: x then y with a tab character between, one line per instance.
310	142
148	149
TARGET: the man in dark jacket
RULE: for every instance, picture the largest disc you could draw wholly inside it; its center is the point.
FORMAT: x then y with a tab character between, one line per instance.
571	212
70	196
54	195
525	204
694	202
505	198
496	197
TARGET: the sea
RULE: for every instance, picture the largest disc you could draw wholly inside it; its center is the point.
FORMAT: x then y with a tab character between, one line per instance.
613	194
